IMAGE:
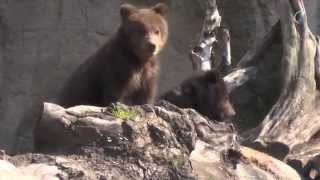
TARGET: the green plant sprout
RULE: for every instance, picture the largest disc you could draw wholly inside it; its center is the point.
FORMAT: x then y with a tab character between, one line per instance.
123	114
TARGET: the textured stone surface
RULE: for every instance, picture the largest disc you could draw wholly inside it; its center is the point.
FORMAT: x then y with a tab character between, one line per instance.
150	142
43	42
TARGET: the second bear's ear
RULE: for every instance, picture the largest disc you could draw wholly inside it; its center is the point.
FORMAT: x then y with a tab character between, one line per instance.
126	10
161	9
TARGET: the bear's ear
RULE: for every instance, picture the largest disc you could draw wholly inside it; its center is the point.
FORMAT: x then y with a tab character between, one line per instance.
161	9
126	10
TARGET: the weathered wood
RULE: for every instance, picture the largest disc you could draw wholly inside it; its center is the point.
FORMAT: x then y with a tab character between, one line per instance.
238	77
277	167
221	52
317	64
251	164
200	55
305	158
294	119
226	51
203	57
213	52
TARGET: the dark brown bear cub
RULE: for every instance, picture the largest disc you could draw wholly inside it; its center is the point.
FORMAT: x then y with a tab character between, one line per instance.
205	92
125	69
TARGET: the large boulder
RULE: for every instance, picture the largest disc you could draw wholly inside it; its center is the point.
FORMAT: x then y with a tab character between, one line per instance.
143	142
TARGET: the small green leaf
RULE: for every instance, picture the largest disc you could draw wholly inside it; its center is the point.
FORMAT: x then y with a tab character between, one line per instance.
123	114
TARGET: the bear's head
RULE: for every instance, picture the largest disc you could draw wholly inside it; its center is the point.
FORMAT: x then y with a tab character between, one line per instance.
208	94
205	92
145	29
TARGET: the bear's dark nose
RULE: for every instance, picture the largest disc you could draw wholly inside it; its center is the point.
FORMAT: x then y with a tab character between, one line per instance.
151	47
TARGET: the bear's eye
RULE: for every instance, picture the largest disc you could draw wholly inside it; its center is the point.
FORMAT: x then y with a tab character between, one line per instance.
142	31
157	32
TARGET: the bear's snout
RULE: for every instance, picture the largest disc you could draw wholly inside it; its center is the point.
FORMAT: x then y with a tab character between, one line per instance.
228	109
151	47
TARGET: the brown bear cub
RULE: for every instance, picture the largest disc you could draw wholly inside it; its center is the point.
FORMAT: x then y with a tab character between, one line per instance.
125	69
205	92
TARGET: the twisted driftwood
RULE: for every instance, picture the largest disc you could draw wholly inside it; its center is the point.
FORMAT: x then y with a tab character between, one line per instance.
294	118
292	125
203	57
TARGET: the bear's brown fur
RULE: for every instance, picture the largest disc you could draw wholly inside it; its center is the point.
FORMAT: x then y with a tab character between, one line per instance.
205	92
125	69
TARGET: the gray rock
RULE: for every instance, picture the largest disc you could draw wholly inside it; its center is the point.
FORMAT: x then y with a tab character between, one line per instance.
146	142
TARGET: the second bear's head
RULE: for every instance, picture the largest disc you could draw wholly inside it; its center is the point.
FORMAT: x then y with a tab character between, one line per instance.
145	29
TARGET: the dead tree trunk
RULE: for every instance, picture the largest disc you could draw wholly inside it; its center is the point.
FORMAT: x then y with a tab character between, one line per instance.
202	55
294	119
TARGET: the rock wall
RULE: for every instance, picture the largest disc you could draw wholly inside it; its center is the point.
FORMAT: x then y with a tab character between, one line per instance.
43	42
